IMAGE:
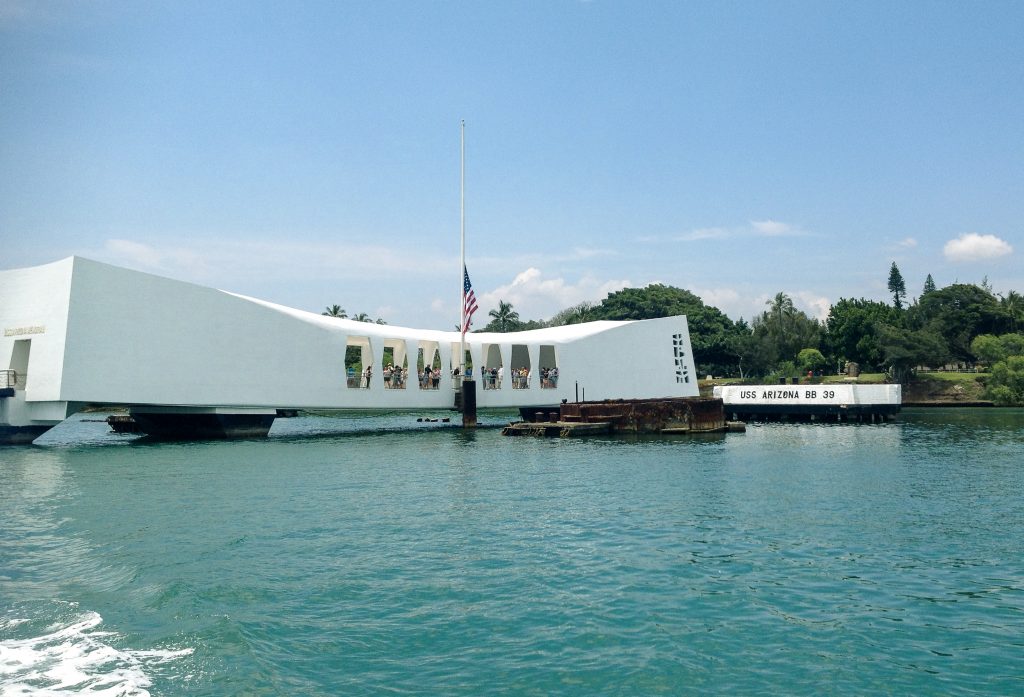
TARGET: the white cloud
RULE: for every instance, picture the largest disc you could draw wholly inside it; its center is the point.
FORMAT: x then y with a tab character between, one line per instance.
974	247
728	300
587	253
718	296
707	233
816	306
535	297
519	258
772	228
907	243
736	304
755	228
148	258
221	260
133	253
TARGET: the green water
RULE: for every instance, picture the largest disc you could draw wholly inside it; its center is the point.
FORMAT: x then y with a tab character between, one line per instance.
381	556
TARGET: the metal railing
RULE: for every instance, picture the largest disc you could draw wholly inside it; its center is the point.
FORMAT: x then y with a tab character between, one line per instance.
548	383
492	382
363	381
11	378
433	382
395	381
519	382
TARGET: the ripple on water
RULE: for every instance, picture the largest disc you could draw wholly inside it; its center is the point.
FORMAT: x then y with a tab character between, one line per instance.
381	557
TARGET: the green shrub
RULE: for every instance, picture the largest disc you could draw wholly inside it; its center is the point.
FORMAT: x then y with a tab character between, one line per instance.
1006	382
811	359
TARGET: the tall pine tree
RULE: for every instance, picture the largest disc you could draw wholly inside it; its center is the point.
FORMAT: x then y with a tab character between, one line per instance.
929	285
897	287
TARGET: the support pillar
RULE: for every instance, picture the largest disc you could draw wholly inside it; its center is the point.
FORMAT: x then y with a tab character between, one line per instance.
468	403
21	422
20	435
202	423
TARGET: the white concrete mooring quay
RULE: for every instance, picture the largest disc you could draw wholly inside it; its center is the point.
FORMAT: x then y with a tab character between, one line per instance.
810	402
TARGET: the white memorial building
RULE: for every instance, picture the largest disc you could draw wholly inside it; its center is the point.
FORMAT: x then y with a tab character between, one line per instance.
78	332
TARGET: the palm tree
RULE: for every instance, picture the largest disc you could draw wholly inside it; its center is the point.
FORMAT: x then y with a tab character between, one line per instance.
505	318
1013	304
362	317
335	311
788	328
781	310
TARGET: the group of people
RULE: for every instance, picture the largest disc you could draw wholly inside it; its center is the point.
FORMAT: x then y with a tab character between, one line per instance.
520	378
430	378
360	380
549	378
492	378
394	378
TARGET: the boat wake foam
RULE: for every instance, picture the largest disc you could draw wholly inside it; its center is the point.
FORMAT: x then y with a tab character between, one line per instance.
74	658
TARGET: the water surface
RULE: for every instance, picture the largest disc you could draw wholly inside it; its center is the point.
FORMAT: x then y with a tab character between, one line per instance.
380	555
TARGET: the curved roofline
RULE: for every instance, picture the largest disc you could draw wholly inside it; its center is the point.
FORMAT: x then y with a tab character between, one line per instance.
561	333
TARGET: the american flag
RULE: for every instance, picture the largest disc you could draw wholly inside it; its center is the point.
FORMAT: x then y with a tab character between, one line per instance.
468	300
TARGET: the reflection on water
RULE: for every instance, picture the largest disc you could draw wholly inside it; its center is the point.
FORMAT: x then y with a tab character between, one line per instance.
953	427
43	548
33	487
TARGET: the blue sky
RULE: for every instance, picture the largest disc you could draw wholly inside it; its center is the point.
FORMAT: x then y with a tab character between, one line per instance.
308	153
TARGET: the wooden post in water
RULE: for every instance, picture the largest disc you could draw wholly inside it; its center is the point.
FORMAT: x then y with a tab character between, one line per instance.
468	403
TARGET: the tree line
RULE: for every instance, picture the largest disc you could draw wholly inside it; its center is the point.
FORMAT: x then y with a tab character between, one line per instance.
339	312
963	324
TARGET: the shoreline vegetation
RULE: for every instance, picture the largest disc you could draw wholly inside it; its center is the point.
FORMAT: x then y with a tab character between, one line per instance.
960	345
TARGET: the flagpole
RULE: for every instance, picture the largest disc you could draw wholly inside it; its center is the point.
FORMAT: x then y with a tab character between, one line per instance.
462	224
468	391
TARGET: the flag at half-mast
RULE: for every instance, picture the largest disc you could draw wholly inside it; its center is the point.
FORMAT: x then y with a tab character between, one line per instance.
468	300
